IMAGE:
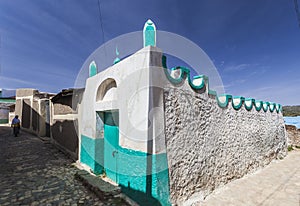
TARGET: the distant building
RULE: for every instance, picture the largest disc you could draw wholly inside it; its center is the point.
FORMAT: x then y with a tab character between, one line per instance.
33	109
7	105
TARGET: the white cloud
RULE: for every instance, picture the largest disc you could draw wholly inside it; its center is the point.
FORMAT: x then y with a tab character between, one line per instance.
237	67
9	82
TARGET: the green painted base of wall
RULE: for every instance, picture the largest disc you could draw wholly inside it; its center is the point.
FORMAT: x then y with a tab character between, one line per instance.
90	155
140	173
142	177
3	121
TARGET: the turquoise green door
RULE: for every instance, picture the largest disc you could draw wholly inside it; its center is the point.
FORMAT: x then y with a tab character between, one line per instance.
111	144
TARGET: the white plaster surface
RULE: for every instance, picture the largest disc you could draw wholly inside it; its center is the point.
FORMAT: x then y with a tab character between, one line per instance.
198	81
175	73
236	101
248	103
209	146
135	96
222	99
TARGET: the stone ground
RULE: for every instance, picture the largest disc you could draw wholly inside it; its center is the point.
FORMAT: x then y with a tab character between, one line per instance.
276	185
34	172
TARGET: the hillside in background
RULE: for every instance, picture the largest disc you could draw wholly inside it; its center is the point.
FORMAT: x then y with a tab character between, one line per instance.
291	111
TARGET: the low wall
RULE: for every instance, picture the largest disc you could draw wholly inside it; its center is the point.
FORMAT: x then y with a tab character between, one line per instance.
293	135
212	140
63	133
64	120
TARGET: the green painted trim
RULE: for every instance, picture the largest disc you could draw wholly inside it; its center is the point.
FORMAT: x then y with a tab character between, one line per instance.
3	121
265	106
7	100
149	34
117	60
280	107
237	107
251	106
185	72
224	104
92	69
204	79
212	92
258	108
271	106
277	108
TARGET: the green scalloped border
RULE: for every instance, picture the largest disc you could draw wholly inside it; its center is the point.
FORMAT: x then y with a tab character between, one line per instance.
237	107
225	104
265	109
258	108
277	108
176	81
273	104
205	79
249	107
185	73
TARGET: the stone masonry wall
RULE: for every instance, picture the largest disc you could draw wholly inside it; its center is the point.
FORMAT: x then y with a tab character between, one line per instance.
209	146
61	109
293	135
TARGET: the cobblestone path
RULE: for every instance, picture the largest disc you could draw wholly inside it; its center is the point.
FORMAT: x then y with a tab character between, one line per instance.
34	172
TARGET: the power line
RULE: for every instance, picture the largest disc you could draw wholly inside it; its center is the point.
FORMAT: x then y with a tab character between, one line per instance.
100	18
103	37
0	55
297	11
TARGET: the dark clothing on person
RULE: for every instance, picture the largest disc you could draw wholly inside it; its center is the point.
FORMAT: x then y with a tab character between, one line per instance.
16	126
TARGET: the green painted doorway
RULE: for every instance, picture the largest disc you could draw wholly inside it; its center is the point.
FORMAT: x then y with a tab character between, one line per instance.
111	144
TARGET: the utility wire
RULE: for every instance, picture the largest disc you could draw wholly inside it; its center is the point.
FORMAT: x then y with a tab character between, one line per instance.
297	11
100	18
0	55
102	31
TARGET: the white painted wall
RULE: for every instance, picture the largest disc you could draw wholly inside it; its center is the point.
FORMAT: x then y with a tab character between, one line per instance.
133	98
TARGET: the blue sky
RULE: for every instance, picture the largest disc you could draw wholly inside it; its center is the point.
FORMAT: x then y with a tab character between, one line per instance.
254	44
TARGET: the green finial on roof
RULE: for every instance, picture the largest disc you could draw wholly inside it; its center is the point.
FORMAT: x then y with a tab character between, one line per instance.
92	69
117	59
149	34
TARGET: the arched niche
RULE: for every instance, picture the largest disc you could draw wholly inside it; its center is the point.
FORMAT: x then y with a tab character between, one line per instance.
107	90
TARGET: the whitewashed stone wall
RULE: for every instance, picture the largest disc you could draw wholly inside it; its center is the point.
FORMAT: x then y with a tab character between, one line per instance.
209	146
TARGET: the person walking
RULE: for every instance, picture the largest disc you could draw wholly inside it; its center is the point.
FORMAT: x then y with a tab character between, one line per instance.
16	125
